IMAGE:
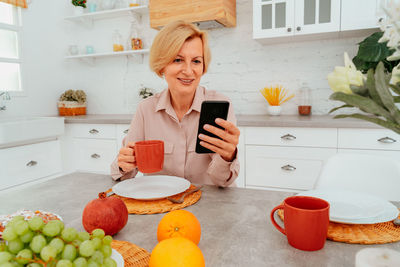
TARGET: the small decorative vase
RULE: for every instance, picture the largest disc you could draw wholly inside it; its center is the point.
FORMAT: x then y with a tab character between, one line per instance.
78	10
274	110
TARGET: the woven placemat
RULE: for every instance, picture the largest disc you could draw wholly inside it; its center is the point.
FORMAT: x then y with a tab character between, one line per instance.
133	255
379	233
136	206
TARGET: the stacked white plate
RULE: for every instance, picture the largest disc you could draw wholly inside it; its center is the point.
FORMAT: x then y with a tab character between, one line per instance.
151	187
355	207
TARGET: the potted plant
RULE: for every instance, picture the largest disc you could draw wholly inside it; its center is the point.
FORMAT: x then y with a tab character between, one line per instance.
145	92
79	6
72	103
374	95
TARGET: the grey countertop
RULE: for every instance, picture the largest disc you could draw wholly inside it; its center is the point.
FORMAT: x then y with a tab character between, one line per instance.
236	229
313	121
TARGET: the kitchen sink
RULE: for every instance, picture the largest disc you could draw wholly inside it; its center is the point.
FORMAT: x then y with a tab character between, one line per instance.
16	131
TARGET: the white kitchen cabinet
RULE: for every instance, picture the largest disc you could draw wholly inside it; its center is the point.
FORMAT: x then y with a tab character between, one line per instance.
93	147
361	14
27	163
295	168
286	18
369	139
122	131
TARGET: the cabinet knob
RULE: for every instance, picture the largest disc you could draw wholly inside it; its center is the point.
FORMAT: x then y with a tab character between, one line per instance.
126	131
288	137
95	156
94	131
380	19
31	163
298	28
289	29
288	168
387	140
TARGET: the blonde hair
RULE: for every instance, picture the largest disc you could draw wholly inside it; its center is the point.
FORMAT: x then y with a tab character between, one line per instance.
168	42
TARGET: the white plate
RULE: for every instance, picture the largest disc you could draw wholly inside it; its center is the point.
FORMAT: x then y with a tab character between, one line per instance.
115	255
151	187
355	207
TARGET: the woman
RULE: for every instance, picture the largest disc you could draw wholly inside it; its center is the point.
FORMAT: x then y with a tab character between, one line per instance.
181	55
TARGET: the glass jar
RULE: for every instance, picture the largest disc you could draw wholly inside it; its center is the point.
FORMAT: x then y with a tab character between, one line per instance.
135	42
117	42
304	100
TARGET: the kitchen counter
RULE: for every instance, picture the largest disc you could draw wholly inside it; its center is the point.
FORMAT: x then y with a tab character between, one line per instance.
313	121
236	229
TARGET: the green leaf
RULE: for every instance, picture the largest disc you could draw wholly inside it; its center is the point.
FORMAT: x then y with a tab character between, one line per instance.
363	103
371	50
359	90
395	88
389	125
371	87
343	106
383	90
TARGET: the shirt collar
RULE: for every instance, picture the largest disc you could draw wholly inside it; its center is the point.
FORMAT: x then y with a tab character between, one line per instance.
164	101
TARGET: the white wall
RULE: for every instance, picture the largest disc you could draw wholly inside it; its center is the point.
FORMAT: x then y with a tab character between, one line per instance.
240	66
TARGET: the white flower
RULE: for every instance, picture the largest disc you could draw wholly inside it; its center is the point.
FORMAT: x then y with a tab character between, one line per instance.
342	77
395	75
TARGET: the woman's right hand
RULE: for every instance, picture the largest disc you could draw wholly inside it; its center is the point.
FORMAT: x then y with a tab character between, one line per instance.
126	158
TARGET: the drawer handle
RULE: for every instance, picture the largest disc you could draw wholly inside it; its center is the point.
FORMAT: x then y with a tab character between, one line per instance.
387	140
288	168
94	131
288	137
126	131
31	163
95	156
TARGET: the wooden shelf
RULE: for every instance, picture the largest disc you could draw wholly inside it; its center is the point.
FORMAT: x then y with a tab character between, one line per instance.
122	53
112	13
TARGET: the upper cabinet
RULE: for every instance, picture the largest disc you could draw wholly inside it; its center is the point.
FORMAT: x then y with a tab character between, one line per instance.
282	18
206	14
361	14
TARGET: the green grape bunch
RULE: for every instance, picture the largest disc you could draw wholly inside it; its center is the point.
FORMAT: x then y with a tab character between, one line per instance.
33	243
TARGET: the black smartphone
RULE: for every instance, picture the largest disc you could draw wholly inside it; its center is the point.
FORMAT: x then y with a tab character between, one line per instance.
210	110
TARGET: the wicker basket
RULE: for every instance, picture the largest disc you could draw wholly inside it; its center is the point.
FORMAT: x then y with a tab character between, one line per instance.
71	108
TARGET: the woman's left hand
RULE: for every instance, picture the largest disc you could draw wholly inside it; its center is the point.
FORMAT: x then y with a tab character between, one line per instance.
226	147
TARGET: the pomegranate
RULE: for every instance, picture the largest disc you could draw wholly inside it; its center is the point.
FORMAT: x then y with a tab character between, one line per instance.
107	213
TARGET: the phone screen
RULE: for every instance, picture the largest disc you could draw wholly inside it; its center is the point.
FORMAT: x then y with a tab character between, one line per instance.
210	110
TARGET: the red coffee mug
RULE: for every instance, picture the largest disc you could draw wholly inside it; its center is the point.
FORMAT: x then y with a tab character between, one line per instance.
306	221
149	155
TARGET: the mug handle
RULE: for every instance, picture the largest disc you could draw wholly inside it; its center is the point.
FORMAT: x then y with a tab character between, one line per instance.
282	230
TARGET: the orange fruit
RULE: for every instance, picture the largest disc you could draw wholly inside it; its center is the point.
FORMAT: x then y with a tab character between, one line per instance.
179	223
176	252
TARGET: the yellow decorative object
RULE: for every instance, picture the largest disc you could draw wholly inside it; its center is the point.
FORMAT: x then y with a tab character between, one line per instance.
276	96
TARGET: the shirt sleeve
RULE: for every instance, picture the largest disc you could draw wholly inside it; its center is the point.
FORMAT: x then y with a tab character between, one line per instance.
135	133
224	173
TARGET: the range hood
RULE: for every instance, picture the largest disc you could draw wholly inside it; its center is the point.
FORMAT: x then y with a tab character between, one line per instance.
204	13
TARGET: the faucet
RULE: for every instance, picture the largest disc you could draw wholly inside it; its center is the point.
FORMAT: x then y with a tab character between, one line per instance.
6	96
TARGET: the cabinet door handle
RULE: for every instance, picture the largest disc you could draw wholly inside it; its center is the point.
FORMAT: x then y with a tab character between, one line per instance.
380	19
126	131
94	131
31	163
289	29
298	28
288	137
288	168
95	156
387	140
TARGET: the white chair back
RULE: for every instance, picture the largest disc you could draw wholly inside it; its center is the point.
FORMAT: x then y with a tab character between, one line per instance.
378	175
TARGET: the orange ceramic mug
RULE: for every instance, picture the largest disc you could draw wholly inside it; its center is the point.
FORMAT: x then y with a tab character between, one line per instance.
149	155
306	221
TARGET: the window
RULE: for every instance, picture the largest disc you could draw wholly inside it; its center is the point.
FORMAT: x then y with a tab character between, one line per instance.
10	48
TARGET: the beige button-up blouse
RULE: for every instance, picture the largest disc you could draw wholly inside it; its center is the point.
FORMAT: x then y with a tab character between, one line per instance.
155	119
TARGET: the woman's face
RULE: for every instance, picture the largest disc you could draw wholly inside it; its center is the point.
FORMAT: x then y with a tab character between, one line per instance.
184	72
